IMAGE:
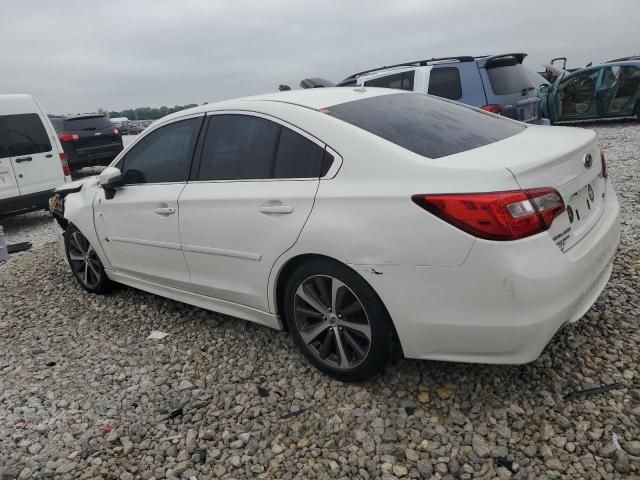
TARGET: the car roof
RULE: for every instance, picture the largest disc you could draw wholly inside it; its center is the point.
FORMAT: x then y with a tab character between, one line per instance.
82	115
481	60
621	63
601	65
312	98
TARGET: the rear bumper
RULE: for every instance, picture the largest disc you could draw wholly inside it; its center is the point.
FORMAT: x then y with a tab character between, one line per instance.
25	203
100	155
505	302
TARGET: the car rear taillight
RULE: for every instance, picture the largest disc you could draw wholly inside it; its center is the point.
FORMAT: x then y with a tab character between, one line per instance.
493	108
116	131
603	161
496	215
65	164
68	137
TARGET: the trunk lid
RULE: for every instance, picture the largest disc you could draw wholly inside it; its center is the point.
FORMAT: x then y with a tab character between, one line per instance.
555	157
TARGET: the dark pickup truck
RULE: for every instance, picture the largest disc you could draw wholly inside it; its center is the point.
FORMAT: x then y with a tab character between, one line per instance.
87	140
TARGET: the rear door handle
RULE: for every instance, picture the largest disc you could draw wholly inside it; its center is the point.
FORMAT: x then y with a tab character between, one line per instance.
165	211
23	159
276	209
49	155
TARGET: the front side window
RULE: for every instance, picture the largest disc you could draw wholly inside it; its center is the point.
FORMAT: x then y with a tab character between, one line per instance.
445	82
22	134
162	156
244	147
401	81
425	125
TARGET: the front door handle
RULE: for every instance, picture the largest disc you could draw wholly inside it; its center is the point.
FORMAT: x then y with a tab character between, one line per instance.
276	209
23	159
165	211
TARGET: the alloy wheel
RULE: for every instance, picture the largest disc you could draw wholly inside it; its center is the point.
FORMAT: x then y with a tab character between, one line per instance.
84	260
332	322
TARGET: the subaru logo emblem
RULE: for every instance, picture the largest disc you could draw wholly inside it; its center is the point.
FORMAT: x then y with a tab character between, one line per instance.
587	160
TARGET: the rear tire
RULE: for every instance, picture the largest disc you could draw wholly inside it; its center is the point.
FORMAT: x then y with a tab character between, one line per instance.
337	320
84	262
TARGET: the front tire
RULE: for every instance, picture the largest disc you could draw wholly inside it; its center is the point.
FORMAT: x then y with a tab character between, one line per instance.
337	320
85	263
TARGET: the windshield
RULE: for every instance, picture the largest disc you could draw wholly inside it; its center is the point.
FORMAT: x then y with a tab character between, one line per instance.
425	125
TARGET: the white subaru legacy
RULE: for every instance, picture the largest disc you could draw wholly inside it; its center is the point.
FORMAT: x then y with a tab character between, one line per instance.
356	219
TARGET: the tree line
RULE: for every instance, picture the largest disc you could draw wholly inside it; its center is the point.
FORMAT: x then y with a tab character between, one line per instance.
148	113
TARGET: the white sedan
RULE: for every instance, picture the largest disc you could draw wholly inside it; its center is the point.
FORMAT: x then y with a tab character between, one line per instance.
356	219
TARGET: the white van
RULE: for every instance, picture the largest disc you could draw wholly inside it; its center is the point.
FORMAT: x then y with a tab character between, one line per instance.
32	162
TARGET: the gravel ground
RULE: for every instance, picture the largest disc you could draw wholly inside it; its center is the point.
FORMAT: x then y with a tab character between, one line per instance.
83	394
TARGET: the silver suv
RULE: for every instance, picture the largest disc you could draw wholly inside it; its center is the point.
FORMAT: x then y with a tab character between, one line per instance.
497	83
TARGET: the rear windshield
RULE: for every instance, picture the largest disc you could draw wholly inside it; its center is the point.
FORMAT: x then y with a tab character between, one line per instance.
87	123
508	79
425	125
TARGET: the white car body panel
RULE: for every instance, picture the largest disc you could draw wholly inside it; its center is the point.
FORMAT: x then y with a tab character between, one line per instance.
43	171
451	296
137	240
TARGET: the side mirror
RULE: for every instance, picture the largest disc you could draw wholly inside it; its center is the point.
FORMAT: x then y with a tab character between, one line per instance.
110	179
544	88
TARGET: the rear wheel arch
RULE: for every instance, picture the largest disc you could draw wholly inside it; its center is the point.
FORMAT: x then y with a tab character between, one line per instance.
294	263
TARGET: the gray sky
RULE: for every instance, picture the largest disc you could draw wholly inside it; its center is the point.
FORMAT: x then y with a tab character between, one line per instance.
78	56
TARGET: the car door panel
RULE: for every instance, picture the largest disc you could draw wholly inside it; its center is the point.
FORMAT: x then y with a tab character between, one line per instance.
34	155
235	218
233	232
138	227
137	239
8	185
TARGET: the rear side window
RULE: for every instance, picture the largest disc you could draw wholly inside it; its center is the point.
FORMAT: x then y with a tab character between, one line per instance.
238	147
507	78
425	125
162	156
244	147
297	157
445	83
22	134
86	124
401	81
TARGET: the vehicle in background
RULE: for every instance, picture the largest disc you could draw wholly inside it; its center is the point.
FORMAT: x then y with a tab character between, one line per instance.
537	79
88	139
32	162
610	90
118	120
624	59
356	218
499	83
